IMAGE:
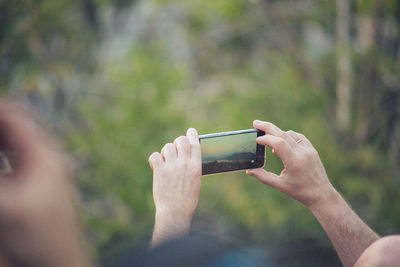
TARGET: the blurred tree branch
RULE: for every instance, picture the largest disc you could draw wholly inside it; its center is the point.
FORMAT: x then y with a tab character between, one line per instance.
343	67
378	97
290	36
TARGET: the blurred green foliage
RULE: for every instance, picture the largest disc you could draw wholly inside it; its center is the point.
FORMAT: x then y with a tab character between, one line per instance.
212	65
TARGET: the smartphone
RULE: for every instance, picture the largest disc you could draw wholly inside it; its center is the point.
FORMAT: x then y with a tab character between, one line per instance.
231	151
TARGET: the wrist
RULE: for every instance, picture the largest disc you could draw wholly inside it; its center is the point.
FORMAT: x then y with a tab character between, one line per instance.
167	226
172	220
326	201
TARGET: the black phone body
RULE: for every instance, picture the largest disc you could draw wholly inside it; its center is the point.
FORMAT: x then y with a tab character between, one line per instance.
231	151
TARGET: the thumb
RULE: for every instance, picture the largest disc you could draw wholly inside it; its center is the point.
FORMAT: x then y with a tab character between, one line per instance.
265	177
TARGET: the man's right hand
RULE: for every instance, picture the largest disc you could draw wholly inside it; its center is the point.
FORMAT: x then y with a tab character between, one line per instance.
303	177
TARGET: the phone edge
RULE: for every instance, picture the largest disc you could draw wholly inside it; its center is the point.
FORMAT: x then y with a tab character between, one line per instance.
212	135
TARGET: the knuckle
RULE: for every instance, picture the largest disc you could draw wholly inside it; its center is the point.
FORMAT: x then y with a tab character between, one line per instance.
196	152
195	143
268	124
314	153
265	125
185	140
280	142
262	138
310	153
196	147
284	135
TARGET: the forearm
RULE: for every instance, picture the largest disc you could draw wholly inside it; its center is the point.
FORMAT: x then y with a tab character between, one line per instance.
167	227
348	233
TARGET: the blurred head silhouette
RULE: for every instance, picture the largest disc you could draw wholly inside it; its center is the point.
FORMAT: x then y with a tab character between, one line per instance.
38	226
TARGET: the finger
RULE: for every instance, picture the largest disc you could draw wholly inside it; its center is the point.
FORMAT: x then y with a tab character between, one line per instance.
195	143
293	135
272	129
155	160
169	152
289	139
299	138
267	127
182	146
304	140
279	146
265	177
22	137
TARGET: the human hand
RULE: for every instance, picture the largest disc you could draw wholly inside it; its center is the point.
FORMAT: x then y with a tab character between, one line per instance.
38	226
303	177
176	185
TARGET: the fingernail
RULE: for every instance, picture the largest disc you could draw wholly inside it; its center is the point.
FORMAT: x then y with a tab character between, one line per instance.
249	172
192	130
257	122
273	151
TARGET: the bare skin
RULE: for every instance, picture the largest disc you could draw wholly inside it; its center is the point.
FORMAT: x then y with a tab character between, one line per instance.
176	186
38	225
383	253
177	181
304	179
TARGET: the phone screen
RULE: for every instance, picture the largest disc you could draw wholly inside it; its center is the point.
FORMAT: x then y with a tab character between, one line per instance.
231	151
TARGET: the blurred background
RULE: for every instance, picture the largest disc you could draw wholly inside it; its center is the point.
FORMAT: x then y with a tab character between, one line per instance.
117	79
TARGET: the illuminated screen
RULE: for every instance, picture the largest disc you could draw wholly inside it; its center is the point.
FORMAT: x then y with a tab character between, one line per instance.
228	153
